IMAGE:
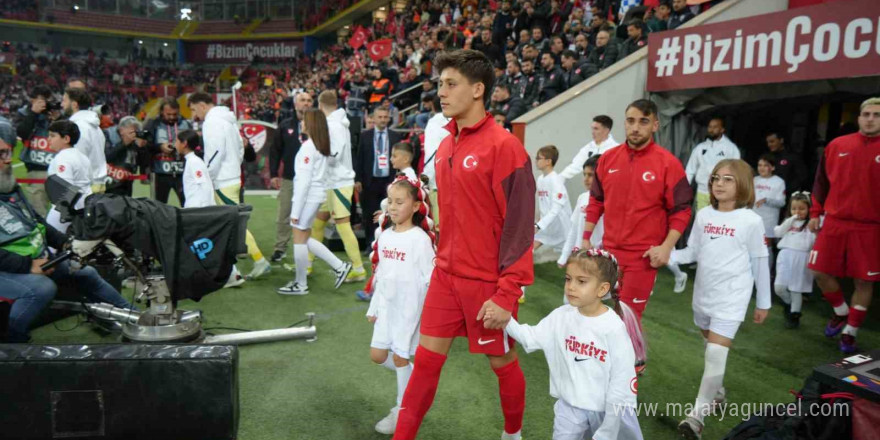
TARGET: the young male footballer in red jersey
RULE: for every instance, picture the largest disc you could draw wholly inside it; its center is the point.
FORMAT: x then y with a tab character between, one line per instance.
487	205
848	243
643	191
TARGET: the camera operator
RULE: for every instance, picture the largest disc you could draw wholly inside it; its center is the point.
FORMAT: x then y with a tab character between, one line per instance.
167	165
24	238
34	133
126	156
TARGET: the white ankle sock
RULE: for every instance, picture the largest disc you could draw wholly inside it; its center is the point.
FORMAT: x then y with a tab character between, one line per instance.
713	379
403	374
301	258
675	270
389	362
797	302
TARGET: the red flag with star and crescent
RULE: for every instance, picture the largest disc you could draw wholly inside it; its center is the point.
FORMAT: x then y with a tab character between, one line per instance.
358	37
379	49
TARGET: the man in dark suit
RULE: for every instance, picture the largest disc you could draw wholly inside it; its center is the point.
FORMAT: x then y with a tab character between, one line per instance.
372	168
284	148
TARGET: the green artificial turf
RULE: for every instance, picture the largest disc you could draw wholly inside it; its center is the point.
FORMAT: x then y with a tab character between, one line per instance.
329	389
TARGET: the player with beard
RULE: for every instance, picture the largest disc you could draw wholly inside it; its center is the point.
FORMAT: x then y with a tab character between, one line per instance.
642	190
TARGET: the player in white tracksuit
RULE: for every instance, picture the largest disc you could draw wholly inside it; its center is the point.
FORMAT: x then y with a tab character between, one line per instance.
589	354
403	261
727	242
793	279
553	203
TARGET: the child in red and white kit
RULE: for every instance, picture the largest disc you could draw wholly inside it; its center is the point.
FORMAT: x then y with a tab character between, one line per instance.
590	353
403	261
727	242
793	279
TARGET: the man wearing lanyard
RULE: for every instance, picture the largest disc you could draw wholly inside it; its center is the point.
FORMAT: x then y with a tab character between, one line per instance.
372	168
167	166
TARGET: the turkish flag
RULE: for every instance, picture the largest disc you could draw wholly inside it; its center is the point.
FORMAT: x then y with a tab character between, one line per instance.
379	49
358	37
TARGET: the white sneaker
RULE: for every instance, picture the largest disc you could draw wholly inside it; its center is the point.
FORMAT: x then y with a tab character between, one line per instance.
690	429
293	288
387	425
680	283
506	436
235	278
342	273
261	268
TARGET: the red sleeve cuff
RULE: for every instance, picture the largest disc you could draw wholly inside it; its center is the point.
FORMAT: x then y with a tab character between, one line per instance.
678	224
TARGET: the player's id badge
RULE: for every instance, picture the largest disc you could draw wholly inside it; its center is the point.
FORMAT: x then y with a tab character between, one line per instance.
383	161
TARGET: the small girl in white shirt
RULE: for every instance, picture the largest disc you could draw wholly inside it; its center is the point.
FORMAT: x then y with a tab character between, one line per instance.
403	261
590	353
769	197
70	164
309	192
727	242
793	279
579	215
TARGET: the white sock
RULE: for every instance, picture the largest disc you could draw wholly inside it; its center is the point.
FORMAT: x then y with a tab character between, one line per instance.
323	253
713	379
842	310
301	258
389	362
850	330
783	293
675	270
403	374
797	302
261	261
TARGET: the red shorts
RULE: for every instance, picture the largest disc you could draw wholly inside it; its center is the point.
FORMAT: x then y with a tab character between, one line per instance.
847	249
451	309
637	279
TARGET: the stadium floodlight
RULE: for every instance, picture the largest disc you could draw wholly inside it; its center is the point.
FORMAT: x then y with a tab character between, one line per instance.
76	7
140	41
185	13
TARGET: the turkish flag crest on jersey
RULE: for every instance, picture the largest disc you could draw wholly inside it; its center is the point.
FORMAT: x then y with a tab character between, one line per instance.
379	49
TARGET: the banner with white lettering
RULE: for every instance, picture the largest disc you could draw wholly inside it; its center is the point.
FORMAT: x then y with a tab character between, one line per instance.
832	40
242	51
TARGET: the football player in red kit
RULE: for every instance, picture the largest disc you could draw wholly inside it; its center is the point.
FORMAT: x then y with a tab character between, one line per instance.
847	244
643	191
487	202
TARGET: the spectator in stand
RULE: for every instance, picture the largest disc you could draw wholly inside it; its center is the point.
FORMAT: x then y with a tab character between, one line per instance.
511	106
126	157
582	48
571	74
637	39
540	43
789	165
166	165
557	45
657	18
502	26
515	79
281	156
604	55
681	14
533	81
487	45
33	129
539	15
552	82
381	87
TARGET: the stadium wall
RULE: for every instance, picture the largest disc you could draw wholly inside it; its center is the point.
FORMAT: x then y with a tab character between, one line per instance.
565	120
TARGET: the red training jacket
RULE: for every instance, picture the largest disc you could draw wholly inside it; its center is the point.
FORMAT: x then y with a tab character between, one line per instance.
847	183
486	193
643	195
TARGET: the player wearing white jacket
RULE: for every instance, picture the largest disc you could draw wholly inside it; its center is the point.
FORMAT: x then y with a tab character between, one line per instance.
602	142
224	152
91	144
339	181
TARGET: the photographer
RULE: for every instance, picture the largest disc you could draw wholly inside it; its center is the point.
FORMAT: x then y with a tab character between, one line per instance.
167	165
125	157
34	133
24	242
